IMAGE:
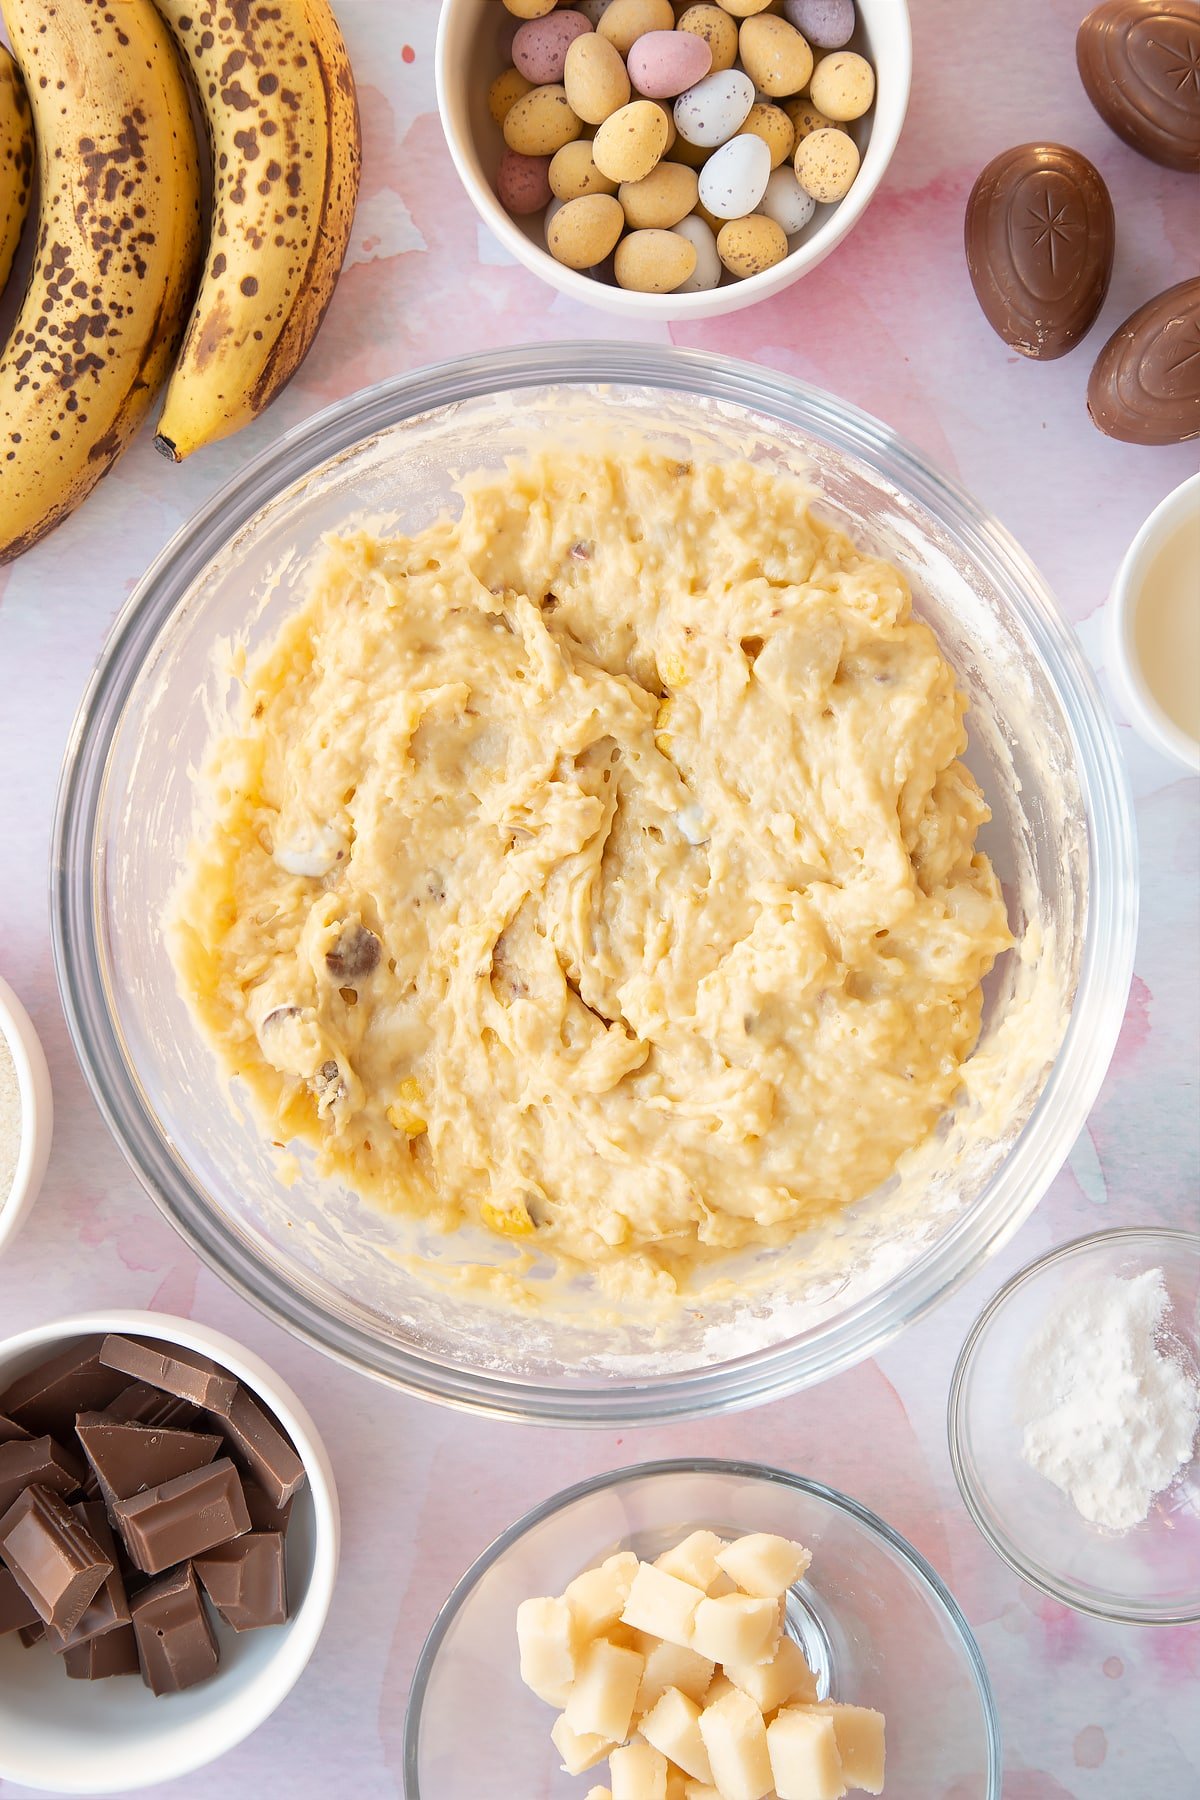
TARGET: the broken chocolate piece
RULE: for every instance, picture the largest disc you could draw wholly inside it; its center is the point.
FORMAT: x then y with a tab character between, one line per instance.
264	1514
260	1444
24	1461
184	1373
141	1404
128	1459
9	1430
174	1638
115	1653
110	1608
54	1559
16	1608
46	1399
32	1634
246	1580
183	1518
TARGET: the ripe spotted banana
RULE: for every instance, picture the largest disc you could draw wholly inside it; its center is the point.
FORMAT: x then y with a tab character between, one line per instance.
16	161
117	251
278	96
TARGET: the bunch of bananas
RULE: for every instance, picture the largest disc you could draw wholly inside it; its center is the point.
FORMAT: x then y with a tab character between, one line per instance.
122	292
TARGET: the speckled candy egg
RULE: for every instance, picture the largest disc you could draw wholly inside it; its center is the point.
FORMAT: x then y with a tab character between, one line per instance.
625	21
772	125
664	197
573	172
508	87
595	78
775	56
541	122
827	24
734	179
653	262
630	142
786	201
712	111
748	246
664	63
843	85
583	232
707	272
540	46
826	164
592	10
523	183
529	9
718	30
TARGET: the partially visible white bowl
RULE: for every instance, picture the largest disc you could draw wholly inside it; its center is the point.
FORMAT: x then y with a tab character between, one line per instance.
467	61
1137	699
37	1113
110	1737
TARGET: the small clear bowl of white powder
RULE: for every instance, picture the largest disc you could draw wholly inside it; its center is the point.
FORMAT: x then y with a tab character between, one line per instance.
1074	1425
26	1114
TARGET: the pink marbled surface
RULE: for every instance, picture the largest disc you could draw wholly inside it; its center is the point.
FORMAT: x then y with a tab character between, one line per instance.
1090	1712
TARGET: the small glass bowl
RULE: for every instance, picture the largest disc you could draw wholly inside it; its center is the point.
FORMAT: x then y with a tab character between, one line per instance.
1148	1575
875	1623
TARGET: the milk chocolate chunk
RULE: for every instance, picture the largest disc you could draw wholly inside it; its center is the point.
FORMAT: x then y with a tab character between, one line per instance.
115	1653
32	1634
184	1373
246	1580
264	1514
16	1608
1145	386
1039	238
128	1459
54	1559
1139	61
183	1518
47	1398
110	1607
174	1638
258	1443
24	1461
141	1404
10	1430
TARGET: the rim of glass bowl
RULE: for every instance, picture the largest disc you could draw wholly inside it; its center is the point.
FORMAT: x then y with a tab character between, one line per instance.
702	1465
1055	1588
1061	1108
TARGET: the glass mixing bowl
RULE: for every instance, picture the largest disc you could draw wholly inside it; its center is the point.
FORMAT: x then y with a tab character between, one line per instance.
339	1273
875	1624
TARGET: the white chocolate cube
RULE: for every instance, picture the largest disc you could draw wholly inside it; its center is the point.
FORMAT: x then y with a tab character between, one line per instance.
606	1682
578	1752
671	1666
804	1756
598	1793
772	1684
597	1596
662	1604
694	1560
673	1726
699	1790
737	1628
718	1687
546	1638
677	1783
736	1740
859	1731
764	1565
638	1772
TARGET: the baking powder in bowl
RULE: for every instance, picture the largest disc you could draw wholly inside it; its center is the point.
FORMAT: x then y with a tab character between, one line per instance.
10	1120
1111	1407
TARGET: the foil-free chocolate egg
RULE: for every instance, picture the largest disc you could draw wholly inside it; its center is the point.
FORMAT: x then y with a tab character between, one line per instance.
1145	386
1139	61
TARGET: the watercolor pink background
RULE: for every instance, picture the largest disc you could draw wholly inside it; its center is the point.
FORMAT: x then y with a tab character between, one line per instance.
1090	1712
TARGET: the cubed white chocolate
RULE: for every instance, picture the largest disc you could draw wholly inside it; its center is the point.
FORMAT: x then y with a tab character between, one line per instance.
677	1783
673	1726
598	1793
736	1740
804	1755
772	1684
545	1634
597	1596
578	1752
662	1604
718	1687
671	1666
764	1565
638	1772
606	1682
699	1790
694	1560
737	1628
859	1731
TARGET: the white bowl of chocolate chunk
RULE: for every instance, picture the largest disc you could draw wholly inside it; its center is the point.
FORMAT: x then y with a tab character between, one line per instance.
169	1542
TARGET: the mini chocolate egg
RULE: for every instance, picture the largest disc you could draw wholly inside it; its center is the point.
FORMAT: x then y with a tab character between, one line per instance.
595	78
630	141
805	117
745	9
748	246
529	9
707	272
774	55
826	164
653	262
625	21
505	91
592	10
541	122
523	183
827	24
711	112
540	45
663	63
772	125
718	30
785	201
573	172
584	231
663	197
734	179
843	85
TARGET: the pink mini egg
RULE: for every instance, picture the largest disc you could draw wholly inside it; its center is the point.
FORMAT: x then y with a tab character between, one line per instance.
523	183
540	46
662	64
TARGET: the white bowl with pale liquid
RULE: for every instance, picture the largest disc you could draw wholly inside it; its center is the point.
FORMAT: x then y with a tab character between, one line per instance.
1154	628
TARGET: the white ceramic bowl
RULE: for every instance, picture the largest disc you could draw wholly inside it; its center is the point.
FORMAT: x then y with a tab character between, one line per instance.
110	1737
37	1113
468	58
1137	699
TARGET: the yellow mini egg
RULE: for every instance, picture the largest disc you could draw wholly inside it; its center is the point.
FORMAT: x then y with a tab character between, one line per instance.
627	145
529	9
718	30
750	245
843	85
744	9
625	21
772	125
805	117
573	172
595	78
653	262
826	164
663	197
541	122
583	231
505	91
774	55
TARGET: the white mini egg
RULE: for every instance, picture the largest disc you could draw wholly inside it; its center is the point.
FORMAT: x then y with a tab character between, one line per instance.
710	112
786	202
707	272
735	177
